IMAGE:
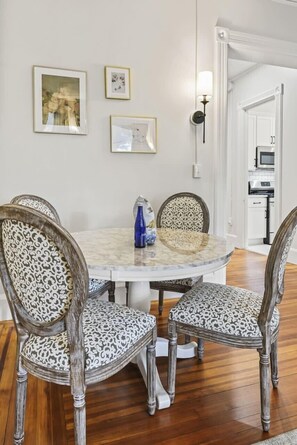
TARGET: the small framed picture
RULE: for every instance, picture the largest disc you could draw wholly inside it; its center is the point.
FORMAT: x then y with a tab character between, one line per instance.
59	101
133	134
117	82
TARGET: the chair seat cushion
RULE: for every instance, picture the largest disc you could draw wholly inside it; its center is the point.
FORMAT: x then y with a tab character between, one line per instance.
96	285
110	330
183	282
223	309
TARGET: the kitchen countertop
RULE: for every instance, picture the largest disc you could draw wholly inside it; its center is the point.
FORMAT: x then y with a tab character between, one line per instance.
256	195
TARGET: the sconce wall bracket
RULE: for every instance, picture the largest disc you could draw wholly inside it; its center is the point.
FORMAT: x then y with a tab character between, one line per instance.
197	118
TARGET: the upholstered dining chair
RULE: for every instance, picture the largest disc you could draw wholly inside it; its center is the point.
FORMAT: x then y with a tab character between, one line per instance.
63	336
185	211
238	317
96	287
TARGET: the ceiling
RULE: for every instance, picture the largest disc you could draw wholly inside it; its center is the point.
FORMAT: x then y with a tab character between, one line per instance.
238	68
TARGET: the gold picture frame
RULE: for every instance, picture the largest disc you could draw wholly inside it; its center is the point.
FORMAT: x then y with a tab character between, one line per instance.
117	82
133	134
59	101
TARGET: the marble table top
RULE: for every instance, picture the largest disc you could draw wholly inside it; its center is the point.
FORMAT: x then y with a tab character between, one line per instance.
110	254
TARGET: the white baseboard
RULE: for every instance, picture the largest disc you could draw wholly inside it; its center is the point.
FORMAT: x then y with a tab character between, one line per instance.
232	237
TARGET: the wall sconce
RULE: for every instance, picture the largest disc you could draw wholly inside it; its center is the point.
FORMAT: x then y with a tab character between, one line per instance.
204	92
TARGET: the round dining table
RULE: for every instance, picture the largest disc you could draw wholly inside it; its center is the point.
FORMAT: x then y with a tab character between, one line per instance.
110	255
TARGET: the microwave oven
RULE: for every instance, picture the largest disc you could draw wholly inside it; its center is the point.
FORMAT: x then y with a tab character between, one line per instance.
265	157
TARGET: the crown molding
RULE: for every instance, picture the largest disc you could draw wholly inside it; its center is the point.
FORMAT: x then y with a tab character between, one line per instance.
255	42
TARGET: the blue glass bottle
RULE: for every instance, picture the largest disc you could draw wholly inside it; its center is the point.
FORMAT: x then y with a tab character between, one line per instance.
139	228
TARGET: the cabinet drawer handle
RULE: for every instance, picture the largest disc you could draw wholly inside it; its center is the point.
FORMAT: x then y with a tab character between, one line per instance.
257	202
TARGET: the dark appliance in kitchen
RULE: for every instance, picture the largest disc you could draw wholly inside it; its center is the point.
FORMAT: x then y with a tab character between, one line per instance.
265	157
259	187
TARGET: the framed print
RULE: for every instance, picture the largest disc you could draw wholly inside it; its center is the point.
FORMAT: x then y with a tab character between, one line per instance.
59	101
129	134
117	82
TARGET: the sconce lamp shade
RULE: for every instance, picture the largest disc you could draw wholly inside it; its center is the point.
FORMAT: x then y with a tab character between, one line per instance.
205	83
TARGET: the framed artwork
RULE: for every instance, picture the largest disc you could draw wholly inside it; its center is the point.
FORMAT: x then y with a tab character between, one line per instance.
117	82
59	101
129	134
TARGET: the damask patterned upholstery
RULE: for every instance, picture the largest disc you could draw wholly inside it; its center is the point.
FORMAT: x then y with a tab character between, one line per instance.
96	287
182	211
223	309
284	258
183	282
37	205
109	329
38	270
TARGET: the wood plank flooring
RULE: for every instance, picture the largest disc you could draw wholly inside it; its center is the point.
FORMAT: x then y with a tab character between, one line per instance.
217	401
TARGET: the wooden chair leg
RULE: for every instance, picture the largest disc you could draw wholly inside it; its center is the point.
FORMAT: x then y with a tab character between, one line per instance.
265	390
187	339
20	406
79	419
161	301
127	293
200	349
172	356
21	395
151	377
274	364
111	292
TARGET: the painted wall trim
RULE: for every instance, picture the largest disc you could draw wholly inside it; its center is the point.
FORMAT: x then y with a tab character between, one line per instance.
256	42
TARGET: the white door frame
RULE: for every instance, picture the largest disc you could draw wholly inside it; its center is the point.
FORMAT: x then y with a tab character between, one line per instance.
267	50
273	94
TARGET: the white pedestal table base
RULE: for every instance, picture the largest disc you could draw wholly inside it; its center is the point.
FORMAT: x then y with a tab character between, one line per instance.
140	298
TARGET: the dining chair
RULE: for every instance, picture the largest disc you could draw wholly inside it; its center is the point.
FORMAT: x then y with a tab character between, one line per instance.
185	211
63	336
238	317
96	287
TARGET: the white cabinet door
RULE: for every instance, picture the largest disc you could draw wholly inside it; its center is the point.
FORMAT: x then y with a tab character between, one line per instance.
257	217
257	223
265	129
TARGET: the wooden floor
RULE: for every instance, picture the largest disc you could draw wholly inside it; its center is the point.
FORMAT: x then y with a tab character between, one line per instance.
217	401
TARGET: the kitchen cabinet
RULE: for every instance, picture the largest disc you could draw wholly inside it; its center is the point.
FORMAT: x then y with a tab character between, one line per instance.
265	130
260	132
257	217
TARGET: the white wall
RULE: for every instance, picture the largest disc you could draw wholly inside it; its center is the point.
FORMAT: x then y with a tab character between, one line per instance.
89	186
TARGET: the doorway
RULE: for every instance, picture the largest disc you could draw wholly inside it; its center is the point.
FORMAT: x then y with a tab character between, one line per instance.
253	190
258	50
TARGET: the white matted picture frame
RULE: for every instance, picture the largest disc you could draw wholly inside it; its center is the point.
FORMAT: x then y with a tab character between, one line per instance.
133	134
59	101
117	82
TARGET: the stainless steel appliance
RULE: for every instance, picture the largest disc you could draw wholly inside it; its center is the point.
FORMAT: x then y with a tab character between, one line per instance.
265	188
265	157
